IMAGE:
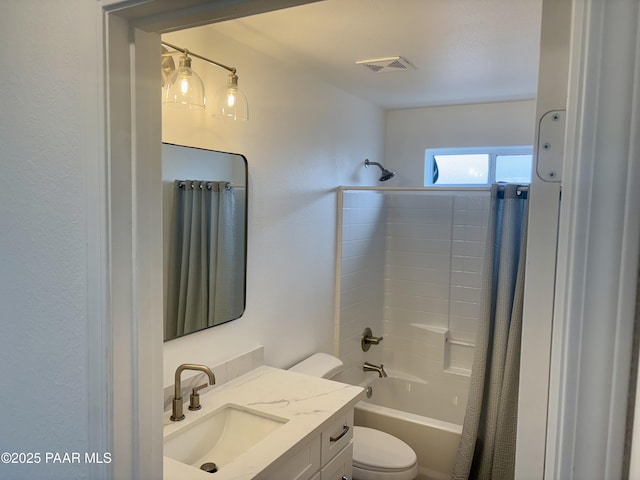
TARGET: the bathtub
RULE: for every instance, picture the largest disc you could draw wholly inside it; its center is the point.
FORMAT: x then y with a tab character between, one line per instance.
418	413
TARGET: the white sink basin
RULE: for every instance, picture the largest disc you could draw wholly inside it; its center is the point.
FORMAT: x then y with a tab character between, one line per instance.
220	436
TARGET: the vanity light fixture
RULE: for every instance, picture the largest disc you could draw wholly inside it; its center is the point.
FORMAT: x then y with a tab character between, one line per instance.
230	101
183	87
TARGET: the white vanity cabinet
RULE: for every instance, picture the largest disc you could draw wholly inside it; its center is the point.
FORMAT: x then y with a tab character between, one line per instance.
311	439
327	455
340	467
337	447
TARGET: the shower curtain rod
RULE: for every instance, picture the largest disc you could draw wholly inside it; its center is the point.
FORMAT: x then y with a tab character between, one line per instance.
520	189
227	185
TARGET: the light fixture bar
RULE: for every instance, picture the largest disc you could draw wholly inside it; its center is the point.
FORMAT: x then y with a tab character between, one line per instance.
192	54
184	87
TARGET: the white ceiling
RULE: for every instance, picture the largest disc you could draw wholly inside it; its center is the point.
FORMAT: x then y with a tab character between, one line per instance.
465	51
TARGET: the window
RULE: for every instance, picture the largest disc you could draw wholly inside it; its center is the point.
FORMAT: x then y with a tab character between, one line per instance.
478	166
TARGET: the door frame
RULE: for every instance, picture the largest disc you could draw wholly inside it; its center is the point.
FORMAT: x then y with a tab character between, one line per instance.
126	347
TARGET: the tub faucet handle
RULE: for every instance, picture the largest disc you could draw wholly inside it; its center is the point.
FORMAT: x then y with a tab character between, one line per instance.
368	339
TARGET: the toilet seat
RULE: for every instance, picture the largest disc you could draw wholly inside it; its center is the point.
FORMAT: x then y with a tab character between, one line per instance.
377	454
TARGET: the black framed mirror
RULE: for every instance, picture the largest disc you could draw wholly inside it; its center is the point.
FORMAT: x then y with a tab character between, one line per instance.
204	205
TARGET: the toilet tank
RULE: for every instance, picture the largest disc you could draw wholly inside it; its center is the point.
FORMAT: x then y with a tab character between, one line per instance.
319	365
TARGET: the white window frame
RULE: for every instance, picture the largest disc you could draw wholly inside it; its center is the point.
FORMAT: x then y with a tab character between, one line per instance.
493	152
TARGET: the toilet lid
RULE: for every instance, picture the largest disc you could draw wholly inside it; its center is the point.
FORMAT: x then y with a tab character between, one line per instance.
378	450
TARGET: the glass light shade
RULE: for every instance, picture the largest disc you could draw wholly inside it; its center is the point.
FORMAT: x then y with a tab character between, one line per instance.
231	102
184	87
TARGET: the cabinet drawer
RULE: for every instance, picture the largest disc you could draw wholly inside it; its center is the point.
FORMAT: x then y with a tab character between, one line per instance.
301	464
337	435
341	465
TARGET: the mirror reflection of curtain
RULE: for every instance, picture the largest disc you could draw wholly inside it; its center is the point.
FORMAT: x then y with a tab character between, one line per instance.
206	256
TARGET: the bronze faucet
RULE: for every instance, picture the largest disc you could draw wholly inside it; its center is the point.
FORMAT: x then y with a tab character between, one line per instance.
177	413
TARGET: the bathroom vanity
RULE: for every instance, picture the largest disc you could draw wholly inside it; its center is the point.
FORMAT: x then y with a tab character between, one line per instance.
266	424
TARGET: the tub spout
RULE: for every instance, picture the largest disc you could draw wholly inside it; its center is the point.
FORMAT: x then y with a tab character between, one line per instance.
370	367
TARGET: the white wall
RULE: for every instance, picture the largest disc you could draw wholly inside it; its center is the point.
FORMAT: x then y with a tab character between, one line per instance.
411	131
303	138
49	132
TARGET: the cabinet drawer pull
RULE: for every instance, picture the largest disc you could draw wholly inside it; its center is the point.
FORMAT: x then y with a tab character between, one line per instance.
344	431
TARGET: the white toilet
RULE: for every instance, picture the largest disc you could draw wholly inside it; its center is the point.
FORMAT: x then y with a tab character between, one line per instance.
376	455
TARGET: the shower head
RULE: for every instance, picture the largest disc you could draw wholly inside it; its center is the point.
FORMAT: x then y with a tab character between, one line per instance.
386	174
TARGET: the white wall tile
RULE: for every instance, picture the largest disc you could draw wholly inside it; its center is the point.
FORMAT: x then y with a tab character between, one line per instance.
362	273
432	249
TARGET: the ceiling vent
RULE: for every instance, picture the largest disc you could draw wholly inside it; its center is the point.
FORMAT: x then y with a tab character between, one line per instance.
388	64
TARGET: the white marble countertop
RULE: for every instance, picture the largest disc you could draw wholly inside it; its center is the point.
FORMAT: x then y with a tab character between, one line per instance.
306	402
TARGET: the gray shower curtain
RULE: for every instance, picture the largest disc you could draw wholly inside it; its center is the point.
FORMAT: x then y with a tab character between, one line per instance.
205	263
487	445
